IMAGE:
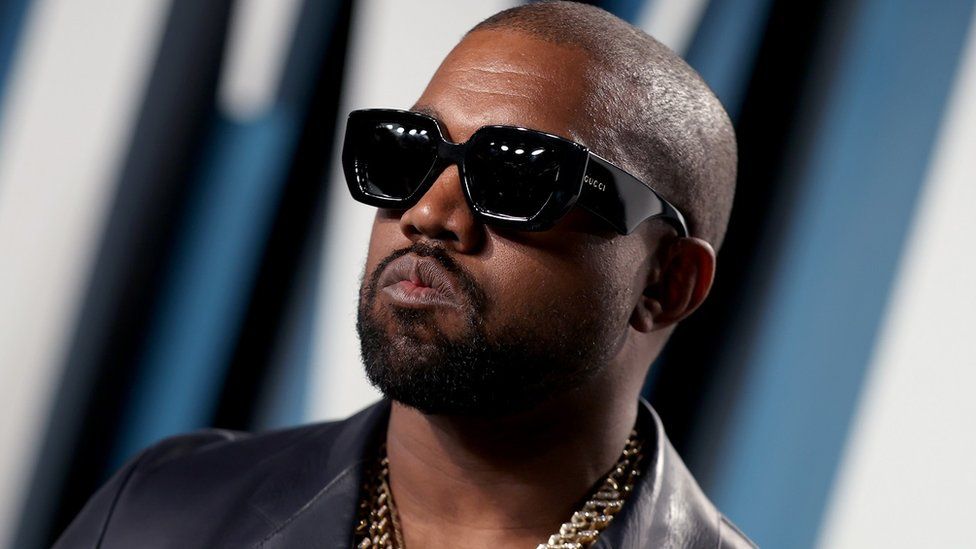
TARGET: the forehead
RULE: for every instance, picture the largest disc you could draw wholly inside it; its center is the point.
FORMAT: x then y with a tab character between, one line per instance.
510	78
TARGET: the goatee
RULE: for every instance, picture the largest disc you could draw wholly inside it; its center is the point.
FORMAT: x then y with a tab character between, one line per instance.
474	373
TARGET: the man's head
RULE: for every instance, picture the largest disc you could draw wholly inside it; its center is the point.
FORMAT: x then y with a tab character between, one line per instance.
457	317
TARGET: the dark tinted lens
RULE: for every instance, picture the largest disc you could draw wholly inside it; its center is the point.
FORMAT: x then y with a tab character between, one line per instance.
393	157
512	173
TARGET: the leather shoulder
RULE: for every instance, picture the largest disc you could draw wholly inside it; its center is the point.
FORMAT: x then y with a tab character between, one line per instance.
217	488
89	526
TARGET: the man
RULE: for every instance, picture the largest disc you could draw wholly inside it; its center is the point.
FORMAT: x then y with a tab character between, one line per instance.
516	289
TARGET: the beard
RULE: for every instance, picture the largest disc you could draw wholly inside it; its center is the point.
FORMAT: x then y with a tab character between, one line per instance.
530	359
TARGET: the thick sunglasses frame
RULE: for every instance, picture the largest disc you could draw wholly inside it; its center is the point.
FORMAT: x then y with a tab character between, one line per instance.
585	179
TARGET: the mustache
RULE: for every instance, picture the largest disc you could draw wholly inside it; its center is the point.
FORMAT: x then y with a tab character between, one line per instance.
467	285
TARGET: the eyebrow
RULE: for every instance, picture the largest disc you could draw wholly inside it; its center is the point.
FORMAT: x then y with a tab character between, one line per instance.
436	115
428	110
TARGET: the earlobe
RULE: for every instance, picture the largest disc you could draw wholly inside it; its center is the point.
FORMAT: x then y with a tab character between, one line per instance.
685	278
644	313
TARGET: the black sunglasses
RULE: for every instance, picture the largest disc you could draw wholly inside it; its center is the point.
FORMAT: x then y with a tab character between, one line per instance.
512	177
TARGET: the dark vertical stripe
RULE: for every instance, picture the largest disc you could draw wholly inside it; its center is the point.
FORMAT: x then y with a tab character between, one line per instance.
724	50
312	77
770	110
282	395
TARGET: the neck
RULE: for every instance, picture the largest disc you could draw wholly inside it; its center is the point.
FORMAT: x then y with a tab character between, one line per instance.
503	481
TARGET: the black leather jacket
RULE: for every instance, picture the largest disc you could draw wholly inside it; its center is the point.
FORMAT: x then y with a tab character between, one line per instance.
300	488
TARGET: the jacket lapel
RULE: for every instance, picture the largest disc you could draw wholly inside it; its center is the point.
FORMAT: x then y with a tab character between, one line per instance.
313	494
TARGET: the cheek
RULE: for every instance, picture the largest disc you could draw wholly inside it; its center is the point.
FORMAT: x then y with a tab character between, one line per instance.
384	239
532	286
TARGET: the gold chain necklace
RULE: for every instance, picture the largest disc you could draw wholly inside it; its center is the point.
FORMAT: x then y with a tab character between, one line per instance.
379	525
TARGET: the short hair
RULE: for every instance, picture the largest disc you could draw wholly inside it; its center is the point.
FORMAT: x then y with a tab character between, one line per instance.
652	113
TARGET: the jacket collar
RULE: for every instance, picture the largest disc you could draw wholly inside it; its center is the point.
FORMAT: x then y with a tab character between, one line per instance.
313	499
667	508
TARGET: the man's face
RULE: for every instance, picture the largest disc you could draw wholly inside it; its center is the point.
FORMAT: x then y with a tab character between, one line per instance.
461	318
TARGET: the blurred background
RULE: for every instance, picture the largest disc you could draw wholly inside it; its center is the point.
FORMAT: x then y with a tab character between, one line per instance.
177	248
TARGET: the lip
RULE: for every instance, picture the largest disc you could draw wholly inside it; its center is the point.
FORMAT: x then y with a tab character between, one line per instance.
418	282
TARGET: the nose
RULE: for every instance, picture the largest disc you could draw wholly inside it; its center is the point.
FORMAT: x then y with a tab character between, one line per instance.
443	214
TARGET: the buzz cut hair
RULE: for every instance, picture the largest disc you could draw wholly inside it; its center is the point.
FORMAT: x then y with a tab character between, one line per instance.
650	112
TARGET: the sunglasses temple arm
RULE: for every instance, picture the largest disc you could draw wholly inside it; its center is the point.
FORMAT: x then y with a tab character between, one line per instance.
673	216
623	200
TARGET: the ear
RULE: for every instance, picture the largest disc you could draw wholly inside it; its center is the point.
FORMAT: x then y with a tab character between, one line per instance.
677	285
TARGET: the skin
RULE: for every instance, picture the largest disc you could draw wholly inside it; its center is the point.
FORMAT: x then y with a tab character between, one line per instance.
507	482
